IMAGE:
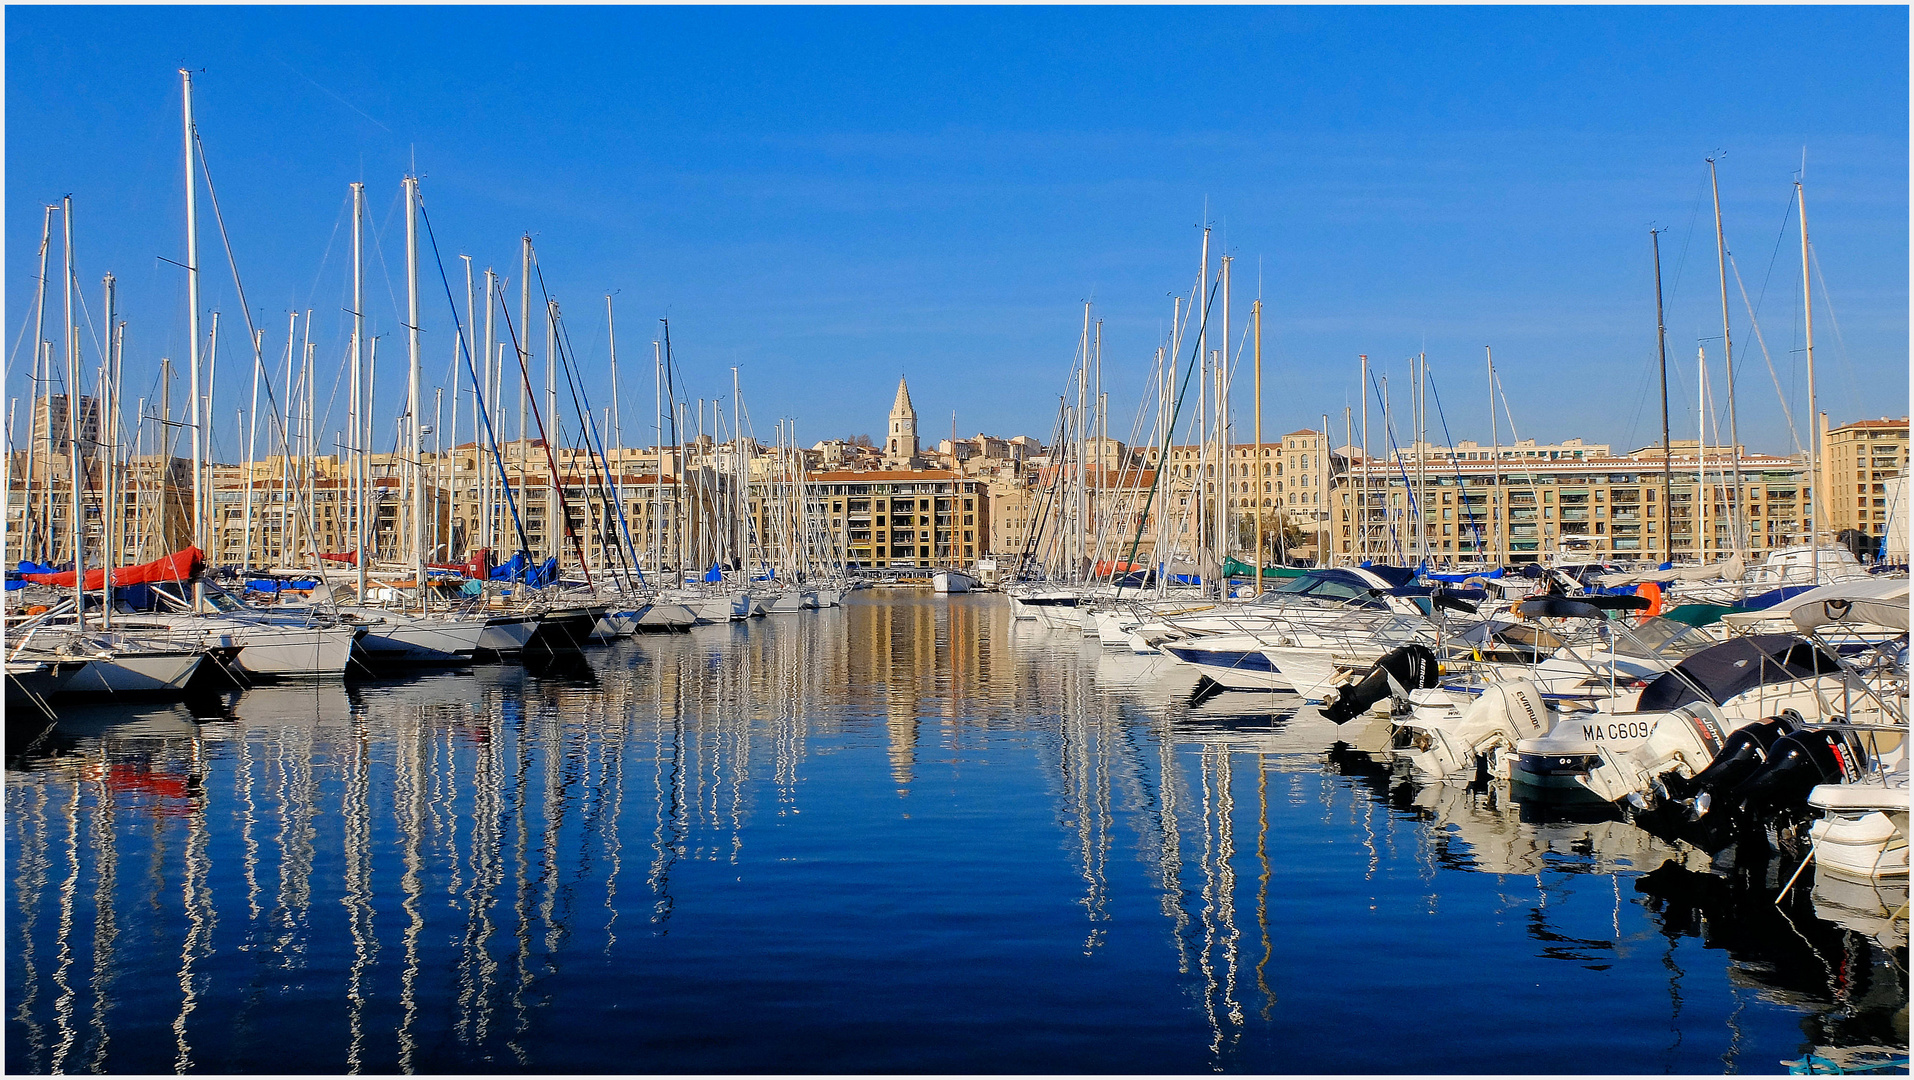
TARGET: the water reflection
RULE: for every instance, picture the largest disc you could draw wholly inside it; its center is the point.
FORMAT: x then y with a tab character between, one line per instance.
908	818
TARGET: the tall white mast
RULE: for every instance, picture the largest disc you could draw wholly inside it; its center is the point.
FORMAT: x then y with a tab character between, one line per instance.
658	479
1495	476
1701	455
1256	456
1362	514
1728	358
1222	434
1077	525
555	494
41	389
617	450
75	479
252	442
524	350
494	364
463	341
414	401
110	506
361	399
1814	407
192	329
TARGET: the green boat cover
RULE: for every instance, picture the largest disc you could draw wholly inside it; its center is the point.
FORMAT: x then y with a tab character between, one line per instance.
1698	614
1234	568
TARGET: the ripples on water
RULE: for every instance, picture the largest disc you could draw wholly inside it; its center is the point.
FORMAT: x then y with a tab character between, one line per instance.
905	835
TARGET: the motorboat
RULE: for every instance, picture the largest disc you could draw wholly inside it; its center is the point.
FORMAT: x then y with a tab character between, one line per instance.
952	581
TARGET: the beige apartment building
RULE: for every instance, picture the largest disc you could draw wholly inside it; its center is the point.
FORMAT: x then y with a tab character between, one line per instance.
899	518
1594	508
1859	459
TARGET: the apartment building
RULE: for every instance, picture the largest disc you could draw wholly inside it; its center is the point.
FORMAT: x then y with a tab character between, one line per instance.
1617	507
1858	460
898	519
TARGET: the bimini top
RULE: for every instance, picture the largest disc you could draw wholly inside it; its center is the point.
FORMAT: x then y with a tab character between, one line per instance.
1735	667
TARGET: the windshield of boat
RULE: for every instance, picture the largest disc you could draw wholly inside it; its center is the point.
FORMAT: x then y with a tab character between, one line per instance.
1661	637
1335	586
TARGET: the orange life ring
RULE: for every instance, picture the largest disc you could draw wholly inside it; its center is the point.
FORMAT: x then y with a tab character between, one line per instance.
1651	590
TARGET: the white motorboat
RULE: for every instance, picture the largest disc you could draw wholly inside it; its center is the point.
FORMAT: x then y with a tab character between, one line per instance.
1862	832
952	581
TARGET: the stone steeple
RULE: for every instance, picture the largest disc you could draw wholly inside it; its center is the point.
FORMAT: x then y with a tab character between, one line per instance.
900	445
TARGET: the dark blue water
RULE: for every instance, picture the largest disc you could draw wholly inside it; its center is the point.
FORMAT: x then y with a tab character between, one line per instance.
906	835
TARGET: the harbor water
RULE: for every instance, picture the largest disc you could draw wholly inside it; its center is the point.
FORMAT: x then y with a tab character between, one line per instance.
908	834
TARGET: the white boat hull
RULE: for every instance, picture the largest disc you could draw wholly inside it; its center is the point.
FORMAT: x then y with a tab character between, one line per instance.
506	635
422	641
162	672
952	581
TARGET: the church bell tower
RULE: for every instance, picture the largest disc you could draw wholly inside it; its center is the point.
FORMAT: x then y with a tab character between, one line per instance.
900	446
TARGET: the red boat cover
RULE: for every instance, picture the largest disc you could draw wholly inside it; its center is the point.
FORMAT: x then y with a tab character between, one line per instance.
181	565
350	558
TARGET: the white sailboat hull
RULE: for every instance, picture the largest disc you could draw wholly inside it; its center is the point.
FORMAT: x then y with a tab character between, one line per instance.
159	672
422	641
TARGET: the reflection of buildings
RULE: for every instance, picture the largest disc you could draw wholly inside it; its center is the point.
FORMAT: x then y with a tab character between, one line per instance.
428	866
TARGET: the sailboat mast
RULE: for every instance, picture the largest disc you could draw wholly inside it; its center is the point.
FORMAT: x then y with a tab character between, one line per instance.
192	329
488	504
1362	513
1076	524
471	358
1422	435
658	478
617	438
1701	454
1495	474
110	478
1814	408
524	351
414	401
1222	432
554	495
1728	358
1667	447
1255	468
1348	439
41	389
361	471
741	479
74	478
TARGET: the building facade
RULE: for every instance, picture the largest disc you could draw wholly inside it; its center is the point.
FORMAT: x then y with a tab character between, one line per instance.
1609	508
1858	460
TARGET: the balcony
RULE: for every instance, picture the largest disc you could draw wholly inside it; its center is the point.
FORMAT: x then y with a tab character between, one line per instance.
1574	513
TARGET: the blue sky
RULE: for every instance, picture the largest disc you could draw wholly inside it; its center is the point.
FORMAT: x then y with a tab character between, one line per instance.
829	198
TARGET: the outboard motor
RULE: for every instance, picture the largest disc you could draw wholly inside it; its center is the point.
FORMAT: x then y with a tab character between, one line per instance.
1411	667
1741	756
1685	810
1797	764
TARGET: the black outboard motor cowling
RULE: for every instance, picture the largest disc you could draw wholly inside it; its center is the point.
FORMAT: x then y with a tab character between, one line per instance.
1797	764
1746	750
1410	667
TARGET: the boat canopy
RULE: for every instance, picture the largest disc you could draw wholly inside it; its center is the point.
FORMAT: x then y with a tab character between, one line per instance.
1869	602
1734	667
1730	569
